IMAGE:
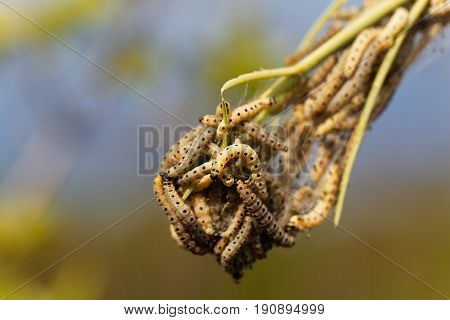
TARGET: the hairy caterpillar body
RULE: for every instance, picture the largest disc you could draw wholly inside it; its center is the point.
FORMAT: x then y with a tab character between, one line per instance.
256	208
325	203
262	135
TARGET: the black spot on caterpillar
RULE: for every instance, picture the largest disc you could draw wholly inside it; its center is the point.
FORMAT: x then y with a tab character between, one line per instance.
264	219
262	135
196	173
210	120
192	154
203	213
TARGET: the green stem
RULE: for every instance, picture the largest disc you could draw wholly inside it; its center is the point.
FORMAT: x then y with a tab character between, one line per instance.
225	119
365	20
355	143
319	24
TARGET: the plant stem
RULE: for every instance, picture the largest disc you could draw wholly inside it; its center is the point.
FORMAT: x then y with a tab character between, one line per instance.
356	139
365	20
319	24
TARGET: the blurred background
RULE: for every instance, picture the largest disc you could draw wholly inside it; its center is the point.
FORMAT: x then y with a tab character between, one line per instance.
68	135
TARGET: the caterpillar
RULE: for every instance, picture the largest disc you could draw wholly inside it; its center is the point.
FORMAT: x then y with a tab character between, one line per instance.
212	150
251	160
202	212
333	122
292	162
439	8
183	211
323	158
170	156
182	235
397	23
262	135
235	222
192	154
175	236
357	49
227	178
255	207
325	92
301	199
196	173
219	110
203	183
325	203
321	72
210	120
232	249
245	113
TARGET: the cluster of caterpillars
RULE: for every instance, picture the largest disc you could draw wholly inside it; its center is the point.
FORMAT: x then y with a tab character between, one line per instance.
238	199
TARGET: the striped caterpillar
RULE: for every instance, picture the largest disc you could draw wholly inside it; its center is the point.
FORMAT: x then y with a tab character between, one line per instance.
263	136
255	207
202	212
325	203
192	153
171	157
178	228
251	160
244	113
232	249
357	49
